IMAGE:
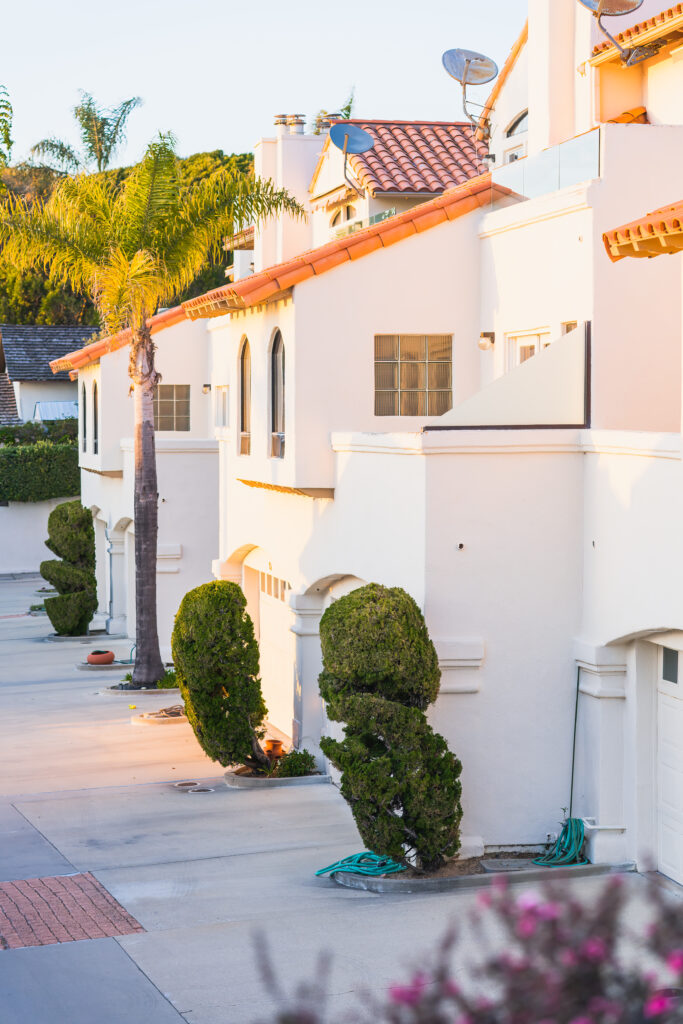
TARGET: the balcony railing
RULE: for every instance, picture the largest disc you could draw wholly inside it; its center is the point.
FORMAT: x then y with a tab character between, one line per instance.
570	163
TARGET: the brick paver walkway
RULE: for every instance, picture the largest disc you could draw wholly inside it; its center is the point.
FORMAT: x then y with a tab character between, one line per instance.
41	911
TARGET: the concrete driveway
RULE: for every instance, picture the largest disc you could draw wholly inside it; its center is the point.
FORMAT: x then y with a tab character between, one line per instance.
83	792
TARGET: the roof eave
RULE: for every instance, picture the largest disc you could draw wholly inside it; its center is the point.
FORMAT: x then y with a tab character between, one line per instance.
651	35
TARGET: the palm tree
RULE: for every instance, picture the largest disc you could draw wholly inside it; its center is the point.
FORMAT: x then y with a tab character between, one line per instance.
132	250
5	127
102	132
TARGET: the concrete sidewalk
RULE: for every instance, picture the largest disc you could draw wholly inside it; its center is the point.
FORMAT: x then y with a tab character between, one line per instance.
86	791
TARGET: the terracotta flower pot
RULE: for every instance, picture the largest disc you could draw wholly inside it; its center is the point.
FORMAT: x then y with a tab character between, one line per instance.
100	657
273	748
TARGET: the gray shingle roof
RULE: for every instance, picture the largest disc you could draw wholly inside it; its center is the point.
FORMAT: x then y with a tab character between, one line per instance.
8	405
29	349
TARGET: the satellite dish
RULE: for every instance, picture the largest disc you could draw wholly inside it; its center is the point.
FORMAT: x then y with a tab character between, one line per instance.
470	68
349	138
615	9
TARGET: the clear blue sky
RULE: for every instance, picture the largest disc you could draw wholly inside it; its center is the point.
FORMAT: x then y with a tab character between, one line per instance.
216	71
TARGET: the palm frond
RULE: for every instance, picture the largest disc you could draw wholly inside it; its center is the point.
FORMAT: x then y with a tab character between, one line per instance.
6	114
149	199
213	208
58	152
56	236
115	128
127	290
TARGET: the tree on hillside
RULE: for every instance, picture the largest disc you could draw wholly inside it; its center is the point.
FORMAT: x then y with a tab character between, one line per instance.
30	297
6	142
102	131
132	250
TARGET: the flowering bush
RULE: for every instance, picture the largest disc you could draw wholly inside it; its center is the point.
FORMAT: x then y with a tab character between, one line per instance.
560	960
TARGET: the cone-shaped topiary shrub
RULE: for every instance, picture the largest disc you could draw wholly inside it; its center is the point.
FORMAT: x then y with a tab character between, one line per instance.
216	659
380	673
71	536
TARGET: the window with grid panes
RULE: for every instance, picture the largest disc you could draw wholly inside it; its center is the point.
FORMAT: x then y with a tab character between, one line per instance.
172	407
413	374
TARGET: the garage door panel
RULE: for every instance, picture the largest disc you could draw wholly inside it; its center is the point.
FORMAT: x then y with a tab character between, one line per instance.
670	784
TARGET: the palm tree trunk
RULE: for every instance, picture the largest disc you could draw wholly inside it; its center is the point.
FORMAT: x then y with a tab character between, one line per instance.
148	664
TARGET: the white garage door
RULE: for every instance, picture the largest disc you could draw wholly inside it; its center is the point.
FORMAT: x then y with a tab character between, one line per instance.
670	768
277	650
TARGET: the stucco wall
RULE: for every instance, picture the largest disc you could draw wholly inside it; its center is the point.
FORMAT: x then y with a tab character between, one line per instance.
23	532
27	393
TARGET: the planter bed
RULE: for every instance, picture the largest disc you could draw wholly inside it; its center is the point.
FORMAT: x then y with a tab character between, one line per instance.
165	716
53	638
114	666
237	778
475	876
116	688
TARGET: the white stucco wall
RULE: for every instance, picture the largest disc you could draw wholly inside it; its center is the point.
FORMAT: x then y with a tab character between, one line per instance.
28	392
23	532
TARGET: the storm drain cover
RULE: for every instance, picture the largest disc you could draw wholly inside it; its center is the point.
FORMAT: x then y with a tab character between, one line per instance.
200	789
42	911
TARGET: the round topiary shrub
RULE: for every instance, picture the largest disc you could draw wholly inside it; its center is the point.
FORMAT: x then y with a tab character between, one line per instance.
71	536
380	672
216	659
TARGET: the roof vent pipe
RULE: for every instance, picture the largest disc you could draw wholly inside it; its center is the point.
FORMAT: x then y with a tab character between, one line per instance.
296	124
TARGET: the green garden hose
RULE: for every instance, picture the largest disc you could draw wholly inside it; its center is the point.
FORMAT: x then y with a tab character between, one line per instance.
568	848
364	864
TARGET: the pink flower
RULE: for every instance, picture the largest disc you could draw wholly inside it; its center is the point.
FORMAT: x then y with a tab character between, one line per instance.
658	1004
450	988
526	926
569	958
549	911
409	995
594	949
528	901
674	961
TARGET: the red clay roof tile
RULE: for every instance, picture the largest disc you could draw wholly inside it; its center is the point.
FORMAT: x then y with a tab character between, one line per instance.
417	157
276	280
656	234
91	353
652	29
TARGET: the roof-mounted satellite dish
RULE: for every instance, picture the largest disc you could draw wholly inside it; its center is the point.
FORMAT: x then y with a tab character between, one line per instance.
349	138
470	68
616	9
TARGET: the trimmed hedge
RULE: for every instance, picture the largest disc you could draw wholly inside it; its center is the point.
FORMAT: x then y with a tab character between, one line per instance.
37	472
72	538
56	431
216	659
380	673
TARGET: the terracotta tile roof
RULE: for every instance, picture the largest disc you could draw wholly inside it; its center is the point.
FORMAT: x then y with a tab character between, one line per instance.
414	157
660	28
91	353
653	235
276	281
637	115
513	57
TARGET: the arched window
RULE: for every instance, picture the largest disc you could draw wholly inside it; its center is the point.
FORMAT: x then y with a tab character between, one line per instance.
342	215
519	125
84	418
245	399
95	420
277	397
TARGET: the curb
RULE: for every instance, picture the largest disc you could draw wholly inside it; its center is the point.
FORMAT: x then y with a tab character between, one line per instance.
234	781
411	886
89	638
115	666
137	693
148	718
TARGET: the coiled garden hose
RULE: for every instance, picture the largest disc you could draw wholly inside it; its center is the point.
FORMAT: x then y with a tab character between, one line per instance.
568	848
364	864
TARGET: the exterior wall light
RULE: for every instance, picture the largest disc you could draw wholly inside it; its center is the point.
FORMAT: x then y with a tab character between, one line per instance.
487	340
206	388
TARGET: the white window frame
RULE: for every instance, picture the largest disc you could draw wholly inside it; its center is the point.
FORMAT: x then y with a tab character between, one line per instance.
515	341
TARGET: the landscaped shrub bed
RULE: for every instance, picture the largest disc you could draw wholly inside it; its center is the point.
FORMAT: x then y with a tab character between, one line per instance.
38	472
380	673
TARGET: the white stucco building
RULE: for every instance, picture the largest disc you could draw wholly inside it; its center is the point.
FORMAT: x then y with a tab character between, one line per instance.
468	399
